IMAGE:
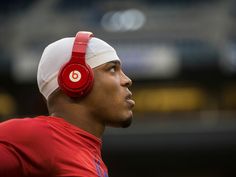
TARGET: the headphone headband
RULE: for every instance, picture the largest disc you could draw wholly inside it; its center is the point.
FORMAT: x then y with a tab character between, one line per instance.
80	46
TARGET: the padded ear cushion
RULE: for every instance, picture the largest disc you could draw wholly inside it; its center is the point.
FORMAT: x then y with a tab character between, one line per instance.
76	80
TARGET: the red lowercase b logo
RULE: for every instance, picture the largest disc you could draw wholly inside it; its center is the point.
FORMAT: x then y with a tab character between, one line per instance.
75	76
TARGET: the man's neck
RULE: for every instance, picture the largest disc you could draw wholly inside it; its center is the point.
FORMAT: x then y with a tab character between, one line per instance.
82	121
78	115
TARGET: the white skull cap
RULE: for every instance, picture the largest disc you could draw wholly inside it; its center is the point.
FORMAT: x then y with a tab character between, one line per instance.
58	53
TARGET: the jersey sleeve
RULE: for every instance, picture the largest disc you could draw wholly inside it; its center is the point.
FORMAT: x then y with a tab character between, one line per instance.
25	148
10	165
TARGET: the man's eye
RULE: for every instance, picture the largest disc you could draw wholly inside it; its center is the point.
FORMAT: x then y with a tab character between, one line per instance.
113	69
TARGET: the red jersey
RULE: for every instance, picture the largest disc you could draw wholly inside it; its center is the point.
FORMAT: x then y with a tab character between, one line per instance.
48	147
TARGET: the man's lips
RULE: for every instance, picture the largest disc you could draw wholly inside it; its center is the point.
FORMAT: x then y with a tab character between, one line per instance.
129	100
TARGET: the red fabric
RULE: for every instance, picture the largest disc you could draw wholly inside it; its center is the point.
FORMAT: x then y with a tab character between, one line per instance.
48	146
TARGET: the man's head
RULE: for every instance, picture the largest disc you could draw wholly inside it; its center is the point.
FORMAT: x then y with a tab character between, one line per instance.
109	99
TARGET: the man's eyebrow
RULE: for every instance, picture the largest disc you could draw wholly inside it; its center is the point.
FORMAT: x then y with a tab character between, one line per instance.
114	62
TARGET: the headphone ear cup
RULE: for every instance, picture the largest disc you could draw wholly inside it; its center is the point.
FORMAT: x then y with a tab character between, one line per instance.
75	79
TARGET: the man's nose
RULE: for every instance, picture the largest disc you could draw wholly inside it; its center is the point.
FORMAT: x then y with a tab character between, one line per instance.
126	81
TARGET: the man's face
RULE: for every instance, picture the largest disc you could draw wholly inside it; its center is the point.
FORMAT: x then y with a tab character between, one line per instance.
110	99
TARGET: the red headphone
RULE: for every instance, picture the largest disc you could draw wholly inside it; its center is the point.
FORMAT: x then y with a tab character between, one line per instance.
75	78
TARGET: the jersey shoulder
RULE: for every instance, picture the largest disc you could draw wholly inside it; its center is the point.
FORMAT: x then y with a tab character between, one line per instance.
30	140
25	128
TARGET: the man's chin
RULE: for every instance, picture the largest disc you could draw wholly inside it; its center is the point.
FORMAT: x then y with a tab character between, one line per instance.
126	123
122	124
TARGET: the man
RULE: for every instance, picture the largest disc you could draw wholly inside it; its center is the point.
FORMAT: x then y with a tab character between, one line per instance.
86	90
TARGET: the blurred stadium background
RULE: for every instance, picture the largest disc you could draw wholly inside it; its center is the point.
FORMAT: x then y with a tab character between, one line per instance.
181	55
